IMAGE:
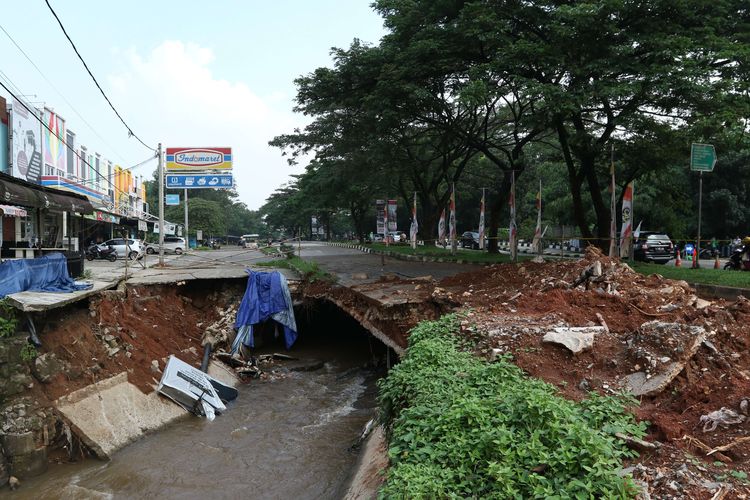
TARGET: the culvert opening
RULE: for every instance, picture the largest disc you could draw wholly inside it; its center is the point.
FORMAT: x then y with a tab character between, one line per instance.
329	335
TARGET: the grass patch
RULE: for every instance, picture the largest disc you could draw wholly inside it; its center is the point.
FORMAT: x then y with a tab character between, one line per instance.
310	271
740	279
460	427
461	254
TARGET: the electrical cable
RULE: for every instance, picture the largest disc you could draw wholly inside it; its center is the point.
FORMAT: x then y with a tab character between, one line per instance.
130	131
59	93
32	113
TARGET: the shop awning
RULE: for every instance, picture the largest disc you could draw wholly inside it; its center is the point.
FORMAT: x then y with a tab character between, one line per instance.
12	211
17	192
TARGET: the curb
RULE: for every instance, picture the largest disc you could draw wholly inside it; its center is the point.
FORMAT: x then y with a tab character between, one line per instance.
402	256
720	292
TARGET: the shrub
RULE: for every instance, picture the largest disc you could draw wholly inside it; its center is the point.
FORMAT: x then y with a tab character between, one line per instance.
460	427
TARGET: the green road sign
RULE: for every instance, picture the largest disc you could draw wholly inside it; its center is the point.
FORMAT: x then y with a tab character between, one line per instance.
702	157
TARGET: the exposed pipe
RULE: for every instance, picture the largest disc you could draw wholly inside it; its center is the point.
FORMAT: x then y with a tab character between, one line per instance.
206	357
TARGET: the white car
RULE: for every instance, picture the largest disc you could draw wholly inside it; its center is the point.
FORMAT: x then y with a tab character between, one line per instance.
173	244
131	249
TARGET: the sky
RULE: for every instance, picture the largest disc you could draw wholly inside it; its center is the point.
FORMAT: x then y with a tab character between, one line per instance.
183	73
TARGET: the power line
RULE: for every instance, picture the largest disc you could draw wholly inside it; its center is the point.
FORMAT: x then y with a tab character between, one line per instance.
59	93
130	131
32	113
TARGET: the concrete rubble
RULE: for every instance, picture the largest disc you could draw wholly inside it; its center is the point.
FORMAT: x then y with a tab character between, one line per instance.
576	339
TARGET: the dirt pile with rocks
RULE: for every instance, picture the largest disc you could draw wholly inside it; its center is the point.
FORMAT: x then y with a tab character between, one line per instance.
686	358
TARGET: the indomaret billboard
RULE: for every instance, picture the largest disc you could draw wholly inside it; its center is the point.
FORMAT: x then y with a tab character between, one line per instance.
198	159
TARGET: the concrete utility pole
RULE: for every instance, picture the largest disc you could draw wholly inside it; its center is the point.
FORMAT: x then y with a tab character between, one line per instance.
187	234
160	173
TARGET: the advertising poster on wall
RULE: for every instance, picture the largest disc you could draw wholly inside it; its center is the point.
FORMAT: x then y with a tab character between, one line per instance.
4	134
26	149
55	152
380	216
392	222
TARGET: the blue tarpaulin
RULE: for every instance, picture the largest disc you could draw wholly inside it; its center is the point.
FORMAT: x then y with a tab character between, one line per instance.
266	297
44	274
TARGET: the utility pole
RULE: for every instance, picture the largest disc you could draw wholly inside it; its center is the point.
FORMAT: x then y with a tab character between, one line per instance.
697	257
160	173
187	233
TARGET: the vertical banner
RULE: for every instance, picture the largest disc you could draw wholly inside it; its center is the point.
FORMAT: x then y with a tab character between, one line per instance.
536	244
452	220
612	209
481	222
626	233
386	236
380	217
26	147
414	226
392	220
441	228
513	230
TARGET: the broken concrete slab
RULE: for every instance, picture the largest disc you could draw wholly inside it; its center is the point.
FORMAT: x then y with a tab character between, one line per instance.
576	339
639	384
42	301
113	413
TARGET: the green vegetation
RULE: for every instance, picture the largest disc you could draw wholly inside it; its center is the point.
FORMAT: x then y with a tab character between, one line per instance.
8	318
307	269
28	353
460	427
739	279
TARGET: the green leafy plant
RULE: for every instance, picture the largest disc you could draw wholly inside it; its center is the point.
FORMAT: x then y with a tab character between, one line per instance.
459	427
28	353
8	318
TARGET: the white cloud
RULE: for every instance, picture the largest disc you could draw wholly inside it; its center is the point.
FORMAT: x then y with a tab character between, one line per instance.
188	105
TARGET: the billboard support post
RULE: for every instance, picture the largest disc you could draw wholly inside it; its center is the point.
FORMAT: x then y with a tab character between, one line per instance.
187	234
160	174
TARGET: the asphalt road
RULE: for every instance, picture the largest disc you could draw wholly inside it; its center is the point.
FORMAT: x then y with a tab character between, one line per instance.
345	262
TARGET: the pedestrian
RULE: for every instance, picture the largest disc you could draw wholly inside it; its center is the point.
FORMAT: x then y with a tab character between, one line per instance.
714	247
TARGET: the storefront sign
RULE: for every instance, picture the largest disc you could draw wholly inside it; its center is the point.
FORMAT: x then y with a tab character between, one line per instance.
186	181
142	226
199	159
172	199
103	217
168	228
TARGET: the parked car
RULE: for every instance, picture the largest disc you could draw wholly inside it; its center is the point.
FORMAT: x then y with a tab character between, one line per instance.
395	236
653	247
470	239
172	244
131	249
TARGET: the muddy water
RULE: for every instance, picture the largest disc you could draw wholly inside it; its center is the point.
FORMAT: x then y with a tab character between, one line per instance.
283	438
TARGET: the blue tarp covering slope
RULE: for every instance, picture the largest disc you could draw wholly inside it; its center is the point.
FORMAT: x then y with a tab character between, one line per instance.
44	274
266	297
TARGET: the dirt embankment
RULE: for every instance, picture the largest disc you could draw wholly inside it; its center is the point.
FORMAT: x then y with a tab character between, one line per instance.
687	358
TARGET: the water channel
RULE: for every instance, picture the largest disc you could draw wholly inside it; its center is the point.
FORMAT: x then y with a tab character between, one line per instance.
286	437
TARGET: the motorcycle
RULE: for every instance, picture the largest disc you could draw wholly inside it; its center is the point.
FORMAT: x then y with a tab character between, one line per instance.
736	262
98	252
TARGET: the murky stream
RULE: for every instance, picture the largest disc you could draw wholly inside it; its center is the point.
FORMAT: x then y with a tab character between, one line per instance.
283	438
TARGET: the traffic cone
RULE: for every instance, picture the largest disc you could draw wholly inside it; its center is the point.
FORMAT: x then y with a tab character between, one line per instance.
716	262
678	260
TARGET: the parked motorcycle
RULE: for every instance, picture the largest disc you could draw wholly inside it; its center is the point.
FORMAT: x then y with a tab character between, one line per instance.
736	262
99	252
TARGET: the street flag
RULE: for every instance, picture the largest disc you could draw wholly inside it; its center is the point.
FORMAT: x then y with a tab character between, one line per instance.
626	233
386	236
481	222
536	244
441	228
513	230
452	220
414	226
612	210
637	232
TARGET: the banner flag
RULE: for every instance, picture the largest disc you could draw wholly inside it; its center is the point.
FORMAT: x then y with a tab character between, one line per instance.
513	229
414	226
386	236
441	228
380	216
452	220
626	233
613	211
481	222
536	243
